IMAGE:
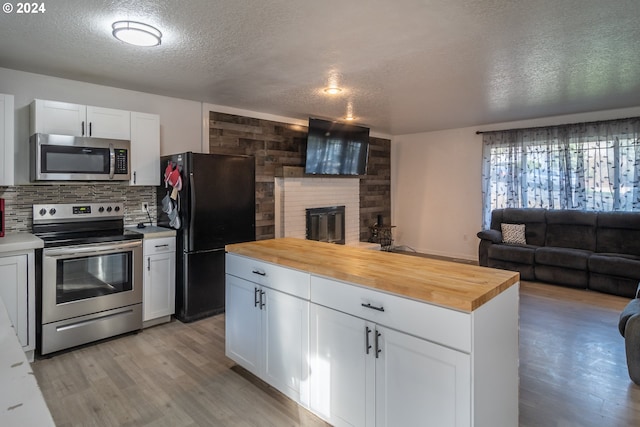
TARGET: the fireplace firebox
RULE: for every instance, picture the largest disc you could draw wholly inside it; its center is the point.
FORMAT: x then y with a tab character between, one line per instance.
326	224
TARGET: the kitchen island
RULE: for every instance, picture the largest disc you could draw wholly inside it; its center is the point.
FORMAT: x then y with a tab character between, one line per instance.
364	337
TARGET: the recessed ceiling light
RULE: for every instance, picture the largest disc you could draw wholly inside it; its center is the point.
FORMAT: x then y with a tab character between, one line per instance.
136	33
349	116
332	90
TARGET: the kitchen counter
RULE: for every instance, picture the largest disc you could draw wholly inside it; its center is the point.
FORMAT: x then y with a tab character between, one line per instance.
15	242
452	285
152	231
21	401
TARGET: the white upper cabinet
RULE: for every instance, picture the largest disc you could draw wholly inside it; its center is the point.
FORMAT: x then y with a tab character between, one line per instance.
145	149
60	118
63	118
108	123
6	140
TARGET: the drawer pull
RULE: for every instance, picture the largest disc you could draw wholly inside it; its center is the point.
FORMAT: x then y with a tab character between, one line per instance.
373	307
258	272
162	246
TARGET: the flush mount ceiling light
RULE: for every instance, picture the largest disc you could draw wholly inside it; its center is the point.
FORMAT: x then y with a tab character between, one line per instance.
136	33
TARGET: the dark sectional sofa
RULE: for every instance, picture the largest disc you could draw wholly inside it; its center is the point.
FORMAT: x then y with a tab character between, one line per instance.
589	250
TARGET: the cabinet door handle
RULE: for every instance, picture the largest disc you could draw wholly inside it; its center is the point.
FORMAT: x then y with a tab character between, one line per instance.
134	177
148	264
262	300
82	127
90	128
255	297
258	272
378	349
367	345
372	307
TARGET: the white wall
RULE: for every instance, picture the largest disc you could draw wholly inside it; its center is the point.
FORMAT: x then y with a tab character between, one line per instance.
436	189
180	120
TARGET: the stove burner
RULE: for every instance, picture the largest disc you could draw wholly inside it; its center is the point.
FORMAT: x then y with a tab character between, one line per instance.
79	224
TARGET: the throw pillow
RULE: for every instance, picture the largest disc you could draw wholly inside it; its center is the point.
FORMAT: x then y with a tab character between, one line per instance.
513	234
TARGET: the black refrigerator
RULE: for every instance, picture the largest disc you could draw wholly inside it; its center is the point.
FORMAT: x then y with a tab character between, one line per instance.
210	200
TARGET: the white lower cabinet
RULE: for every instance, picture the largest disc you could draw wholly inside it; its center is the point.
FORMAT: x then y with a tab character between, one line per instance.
419	383
360	357
13	291
159	293
17	291
342	368
267	334
363	374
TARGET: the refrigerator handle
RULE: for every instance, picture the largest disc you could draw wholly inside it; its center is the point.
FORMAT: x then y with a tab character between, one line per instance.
192	207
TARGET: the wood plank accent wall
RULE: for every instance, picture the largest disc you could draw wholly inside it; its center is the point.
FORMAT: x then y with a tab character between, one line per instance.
276	144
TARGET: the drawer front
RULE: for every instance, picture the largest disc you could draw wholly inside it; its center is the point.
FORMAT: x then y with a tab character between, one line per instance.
159	246
288	280
437	324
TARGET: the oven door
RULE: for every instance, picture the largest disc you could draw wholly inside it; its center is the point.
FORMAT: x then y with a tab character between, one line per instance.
85	279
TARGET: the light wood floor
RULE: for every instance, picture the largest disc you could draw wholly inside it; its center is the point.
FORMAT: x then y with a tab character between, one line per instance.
572	373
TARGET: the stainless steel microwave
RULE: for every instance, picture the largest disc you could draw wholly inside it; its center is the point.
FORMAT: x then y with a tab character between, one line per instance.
74	158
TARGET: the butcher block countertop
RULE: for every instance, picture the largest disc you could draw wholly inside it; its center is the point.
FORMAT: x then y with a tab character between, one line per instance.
453	285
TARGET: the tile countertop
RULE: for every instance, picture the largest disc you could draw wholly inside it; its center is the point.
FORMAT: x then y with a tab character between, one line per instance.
458	286
152	231
16	242
21	401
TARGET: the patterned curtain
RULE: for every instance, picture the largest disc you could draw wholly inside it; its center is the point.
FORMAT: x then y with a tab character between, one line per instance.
587	166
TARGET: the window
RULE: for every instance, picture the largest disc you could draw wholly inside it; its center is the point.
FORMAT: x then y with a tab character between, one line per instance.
587	166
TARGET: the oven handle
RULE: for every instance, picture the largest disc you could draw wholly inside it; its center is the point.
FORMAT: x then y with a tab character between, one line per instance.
71	251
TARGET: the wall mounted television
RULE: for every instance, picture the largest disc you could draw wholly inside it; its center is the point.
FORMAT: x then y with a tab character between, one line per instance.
336	149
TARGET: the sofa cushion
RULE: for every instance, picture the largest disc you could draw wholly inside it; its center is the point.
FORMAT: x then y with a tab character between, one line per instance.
618	232
526	270
532	218
621	286
493	236
615	266
513	234
512	253
562	276
571	229
563	257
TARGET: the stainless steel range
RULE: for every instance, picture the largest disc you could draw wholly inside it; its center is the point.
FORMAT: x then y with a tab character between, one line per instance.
90	277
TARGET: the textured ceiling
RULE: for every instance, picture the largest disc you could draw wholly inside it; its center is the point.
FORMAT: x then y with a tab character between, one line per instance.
405	66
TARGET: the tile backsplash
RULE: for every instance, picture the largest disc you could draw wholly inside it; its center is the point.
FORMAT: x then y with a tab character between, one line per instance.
20	199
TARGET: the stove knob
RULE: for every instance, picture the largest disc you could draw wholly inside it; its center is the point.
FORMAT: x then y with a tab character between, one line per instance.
108	208
117	209
42	212
52	211
101	209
